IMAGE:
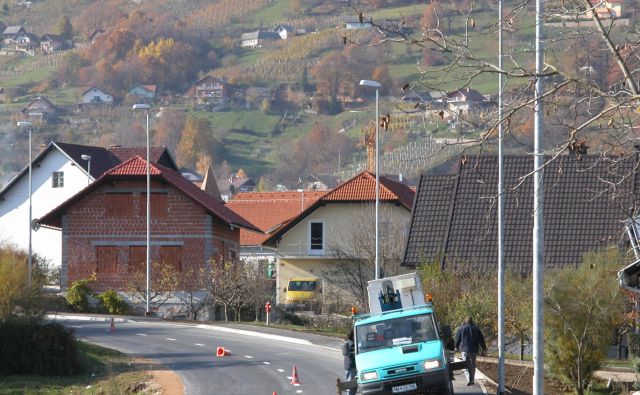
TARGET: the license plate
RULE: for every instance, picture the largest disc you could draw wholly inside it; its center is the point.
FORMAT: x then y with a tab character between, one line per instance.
404	388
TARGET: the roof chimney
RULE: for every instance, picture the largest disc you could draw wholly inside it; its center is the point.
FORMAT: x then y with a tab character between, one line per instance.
43	147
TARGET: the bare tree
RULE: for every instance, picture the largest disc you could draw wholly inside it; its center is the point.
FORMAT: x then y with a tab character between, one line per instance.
164	282
354	250
591	74
261	289
192	291
226	284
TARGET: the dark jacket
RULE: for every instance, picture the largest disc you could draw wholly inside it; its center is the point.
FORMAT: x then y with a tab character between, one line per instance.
349	355
469	339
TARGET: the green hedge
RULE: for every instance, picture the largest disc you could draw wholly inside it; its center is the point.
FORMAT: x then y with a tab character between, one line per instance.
30	346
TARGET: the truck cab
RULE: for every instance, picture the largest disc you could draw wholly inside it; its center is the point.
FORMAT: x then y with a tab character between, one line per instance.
398	346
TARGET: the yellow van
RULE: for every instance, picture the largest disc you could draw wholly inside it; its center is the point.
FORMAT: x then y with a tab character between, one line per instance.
302	293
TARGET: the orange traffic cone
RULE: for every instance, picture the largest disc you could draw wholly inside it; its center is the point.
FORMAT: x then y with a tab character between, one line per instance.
294	376
221	352
112	328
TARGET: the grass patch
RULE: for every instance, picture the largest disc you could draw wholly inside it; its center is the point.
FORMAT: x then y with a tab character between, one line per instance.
105	371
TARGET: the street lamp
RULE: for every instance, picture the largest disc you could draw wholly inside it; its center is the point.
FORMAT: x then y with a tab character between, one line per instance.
27	125
88	159
146	108
377	85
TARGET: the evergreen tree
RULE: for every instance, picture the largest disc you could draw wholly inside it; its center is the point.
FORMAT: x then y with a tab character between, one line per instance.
64	27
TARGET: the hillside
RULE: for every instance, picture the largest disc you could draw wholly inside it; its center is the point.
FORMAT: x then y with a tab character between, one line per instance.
287	109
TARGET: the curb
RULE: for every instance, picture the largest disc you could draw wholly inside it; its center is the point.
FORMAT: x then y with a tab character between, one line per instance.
56	316
286	339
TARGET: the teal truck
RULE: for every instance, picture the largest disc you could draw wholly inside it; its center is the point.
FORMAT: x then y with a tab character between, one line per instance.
399	347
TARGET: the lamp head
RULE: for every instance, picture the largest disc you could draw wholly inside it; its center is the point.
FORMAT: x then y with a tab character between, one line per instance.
141	106
370	83
86	157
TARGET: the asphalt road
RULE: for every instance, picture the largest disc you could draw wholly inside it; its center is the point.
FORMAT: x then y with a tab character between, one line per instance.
259	363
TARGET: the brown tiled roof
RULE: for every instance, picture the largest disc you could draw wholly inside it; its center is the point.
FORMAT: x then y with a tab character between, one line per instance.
137	167
455	218
360	188
363	187
268	210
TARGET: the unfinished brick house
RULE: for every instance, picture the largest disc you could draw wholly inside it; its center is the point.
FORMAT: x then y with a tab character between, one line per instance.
104	226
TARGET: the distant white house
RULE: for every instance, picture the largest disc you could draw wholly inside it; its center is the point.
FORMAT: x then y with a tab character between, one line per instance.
284	31
258	38
50	43
95	95
143	91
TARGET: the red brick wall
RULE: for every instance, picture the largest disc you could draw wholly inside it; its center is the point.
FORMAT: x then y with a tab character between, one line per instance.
225	239
89	230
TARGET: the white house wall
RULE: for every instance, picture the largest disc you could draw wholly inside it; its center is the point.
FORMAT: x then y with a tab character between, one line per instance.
14	209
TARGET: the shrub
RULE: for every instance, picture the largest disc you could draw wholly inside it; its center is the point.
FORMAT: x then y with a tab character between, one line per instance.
30	346
16	296
113	303
78	295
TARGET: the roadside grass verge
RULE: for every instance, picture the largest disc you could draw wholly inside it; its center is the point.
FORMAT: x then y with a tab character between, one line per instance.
105	371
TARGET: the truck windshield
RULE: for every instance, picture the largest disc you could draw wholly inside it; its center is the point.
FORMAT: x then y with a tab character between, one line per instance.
302	285
396	332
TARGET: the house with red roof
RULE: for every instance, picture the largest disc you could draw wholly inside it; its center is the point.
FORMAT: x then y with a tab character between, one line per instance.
58	172
268	211
104	225
340	227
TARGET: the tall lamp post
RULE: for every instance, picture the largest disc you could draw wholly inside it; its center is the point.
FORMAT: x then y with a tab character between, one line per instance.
27	125
377	85
88	159
146	107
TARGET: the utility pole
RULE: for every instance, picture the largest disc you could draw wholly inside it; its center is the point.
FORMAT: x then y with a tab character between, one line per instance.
501	284
538	223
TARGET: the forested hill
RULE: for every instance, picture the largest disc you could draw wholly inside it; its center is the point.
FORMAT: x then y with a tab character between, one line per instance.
282	102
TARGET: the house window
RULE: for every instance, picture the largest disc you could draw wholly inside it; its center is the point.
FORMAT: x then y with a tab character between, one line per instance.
316	238
58	179
119	205
158	205
172	256
106	259
137	259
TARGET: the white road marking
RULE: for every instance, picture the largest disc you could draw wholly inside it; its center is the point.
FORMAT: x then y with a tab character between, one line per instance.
200	344
168	338
297	385
266	363
248	356
141	334
298	391
281	370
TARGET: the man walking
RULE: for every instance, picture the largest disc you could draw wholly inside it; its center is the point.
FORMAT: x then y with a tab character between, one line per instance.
470	341
348	352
